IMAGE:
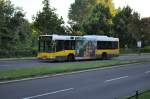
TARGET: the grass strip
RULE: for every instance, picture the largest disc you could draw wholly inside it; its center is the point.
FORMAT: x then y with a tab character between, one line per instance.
144	95
38	71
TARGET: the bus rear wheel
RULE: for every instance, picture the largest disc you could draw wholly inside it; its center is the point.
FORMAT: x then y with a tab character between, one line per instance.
104	56
71	57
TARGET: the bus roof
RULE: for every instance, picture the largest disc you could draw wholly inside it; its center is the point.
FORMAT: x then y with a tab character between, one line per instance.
86	37
100	38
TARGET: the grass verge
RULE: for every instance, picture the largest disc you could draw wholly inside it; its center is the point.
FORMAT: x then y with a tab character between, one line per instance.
144	95
38	71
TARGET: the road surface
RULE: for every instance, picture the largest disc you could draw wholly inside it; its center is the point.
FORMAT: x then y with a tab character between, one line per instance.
112	83
18	64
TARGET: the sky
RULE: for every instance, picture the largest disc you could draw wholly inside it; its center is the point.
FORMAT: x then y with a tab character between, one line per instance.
31	7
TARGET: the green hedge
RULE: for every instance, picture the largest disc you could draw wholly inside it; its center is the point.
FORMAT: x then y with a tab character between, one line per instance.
128	50
146	49
135	50
11	54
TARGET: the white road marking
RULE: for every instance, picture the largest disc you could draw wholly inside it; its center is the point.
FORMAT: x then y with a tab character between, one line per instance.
116	79
147	72
45	94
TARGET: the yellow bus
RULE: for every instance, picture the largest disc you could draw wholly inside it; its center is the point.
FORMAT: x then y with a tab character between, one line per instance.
60	47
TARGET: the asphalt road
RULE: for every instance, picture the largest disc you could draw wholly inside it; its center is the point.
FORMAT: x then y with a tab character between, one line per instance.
18	64
112	83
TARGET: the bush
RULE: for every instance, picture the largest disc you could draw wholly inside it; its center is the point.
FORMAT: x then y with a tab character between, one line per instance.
146	49
23	53
135	50
128	50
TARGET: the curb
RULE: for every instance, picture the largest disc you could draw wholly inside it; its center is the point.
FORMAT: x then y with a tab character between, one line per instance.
135	54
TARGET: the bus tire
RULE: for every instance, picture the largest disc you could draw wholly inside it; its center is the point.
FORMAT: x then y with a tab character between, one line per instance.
70	57
104	56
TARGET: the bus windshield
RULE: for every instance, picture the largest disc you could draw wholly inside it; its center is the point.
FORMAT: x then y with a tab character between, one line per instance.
46	44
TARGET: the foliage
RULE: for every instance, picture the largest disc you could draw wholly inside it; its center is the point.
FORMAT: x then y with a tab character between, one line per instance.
134	26
99	22
6	10
87	18
130	28
14	29
146	49
120	27
81	10
47	21
145	28
109	4
18	53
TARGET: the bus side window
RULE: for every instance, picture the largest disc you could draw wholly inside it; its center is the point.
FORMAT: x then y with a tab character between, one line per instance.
69	44
59	45
100	45
116	45
66	45
72	44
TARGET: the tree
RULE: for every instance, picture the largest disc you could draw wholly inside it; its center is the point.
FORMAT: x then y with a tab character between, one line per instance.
81	9
134	26
120	27
145	29
47	21
109	4
6	10
99	22
12	27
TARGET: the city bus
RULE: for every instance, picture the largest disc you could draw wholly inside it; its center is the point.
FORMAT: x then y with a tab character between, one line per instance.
60	47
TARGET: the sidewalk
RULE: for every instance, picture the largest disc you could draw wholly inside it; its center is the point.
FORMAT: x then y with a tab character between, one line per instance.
135	54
